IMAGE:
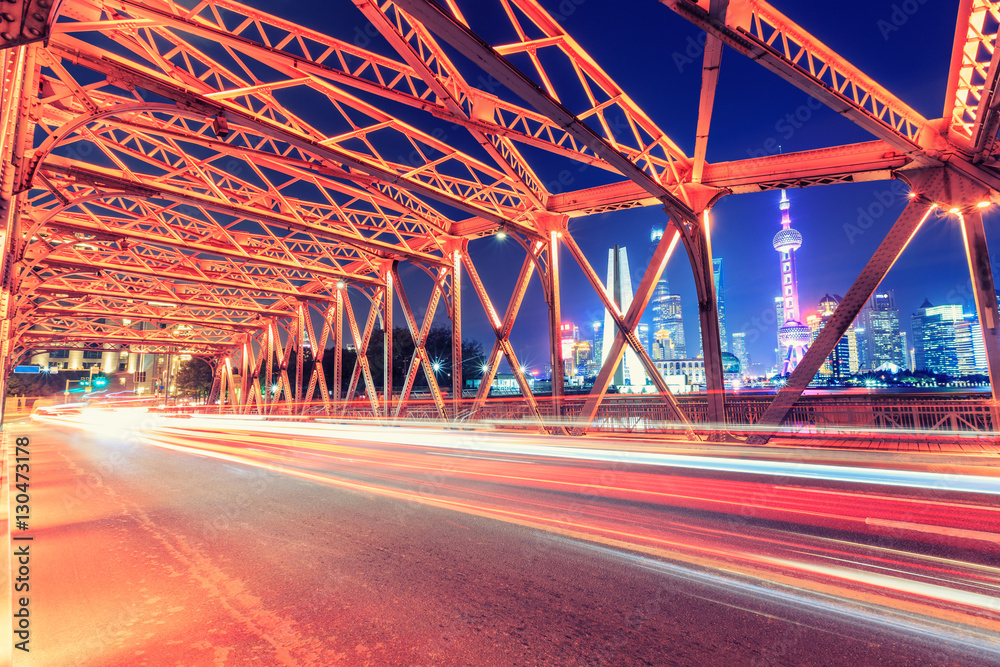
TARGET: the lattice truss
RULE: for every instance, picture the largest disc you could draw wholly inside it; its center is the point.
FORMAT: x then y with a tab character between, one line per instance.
200	174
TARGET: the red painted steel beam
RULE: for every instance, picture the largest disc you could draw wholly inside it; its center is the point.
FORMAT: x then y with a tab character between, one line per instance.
760	32
873	160
482	54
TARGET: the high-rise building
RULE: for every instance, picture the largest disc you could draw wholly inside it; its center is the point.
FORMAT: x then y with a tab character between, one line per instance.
935	338
583	355
907	357
979	348
642	331
660	338
838	365
598	342
619	290
740	350
793	336
567	341
673	323
853	362
720	300
861	348
880	319
970	346
666	337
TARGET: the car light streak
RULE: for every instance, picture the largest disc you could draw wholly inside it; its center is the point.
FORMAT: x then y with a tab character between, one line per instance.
942	530
512	444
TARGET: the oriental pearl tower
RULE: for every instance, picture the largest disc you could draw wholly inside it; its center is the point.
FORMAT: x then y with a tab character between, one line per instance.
793	336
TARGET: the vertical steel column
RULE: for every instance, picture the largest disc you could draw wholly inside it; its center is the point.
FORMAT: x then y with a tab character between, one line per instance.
300	350
700	253
387	345
254	387
19	82
266	388
222	384
555	323
338	346
231	383
244	374
456	333
361	365
213	393
317	379
984	288
285	385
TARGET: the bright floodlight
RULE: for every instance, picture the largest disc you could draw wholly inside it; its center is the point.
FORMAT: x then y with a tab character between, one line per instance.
436	366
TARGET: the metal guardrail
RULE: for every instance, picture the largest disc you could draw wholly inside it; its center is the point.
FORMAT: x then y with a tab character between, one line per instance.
962	413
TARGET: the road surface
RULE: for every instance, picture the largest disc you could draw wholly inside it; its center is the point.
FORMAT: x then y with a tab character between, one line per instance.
188	547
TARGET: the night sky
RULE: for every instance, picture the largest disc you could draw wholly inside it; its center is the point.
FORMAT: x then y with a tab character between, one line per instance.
655	56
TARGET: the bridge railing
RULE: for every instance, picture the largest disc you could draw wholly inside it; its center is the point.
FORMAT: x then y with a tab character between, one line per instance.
847	415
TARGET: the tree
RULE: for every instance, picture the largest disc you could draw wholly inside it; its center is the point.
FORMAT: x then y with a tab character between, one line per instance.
438	348
41	384
194	377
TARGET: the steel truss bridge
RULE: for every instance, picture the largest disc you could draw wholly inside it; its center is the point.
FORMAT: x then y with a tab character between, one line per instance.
213	179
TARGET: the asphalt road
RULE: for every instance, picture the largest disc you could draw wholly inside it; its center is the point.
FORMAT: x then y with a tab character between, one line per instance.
149	556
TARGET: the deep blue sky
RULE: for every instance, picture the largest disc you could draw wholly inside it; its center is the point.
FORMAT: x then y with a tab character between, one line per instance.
642	44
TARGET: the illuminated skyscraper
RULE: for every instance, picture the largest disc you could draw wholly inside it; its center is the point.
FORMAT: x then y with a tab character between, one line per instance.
666	338
935	340
740	350
720	299
793	336
838	365
598	342
880	320
567	341
619	290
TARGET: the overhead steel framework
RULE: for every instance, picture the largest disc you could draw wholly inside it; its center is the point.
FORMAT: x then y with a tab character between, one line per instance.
210	178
